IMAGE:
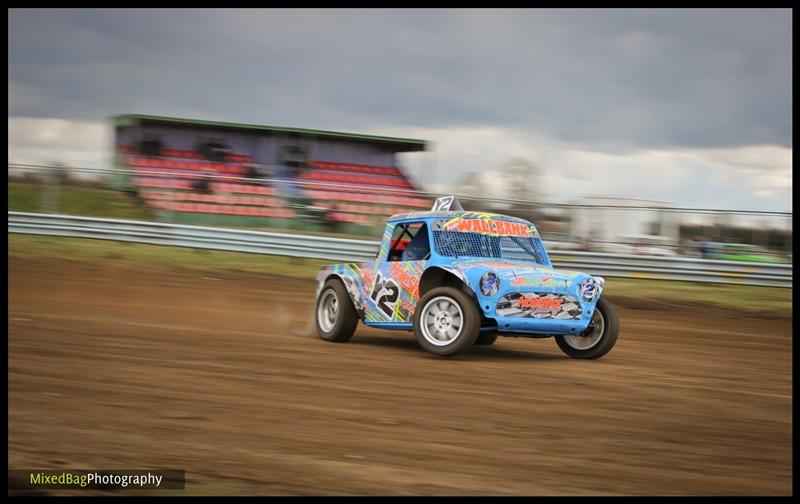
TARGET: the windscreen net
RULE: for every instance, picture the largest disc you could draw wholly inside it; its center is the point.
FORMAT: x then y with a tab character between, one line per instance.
465	244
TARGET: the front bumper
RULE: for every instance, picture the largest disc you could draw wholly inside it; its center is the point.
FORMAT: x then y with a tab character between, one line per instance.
541	326
537	311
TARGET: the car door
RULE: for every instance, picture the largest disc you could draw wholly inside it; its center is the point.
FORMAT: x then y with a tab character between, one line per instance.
395	288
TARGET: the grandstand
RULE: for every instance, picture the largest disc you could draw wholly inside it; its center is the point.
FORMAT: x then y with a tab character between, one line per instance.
216	173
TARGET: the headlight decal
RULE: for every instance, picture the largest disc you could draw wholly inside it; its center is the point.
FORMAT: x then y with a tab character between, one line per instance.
489	284
590	289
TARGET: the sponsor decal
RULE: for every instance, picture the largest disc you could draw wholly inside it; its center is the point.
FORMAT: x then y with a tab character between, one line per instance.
533	302
489	227
409	280
543	281
539	305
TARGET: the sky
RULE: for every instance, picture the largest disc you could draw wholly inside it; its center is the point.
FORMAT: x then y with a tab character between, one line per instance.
689	107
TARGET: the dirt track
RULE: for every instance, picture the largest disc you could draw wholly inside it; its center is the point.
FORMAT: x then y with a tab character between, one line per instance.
111	368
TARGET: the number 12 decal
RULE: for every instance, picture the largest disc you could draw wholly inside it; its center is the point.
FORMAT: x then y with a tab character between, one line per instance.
385	294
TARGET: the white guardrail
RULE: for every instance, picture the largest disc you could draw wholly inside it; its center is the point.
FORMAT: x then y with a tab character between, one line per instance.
340	249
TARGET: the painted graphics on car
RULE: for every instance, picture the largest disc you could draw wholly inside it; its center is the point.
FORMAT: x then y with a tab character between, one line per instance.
386	291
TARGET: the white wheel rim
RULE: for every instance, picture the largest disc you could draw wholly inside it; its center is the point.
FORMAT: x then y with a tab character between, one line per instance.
591	336
328	310
442	321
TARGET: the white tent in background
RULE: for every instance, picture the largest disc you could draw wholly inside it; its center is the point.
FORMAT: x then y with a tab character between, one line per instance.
614	219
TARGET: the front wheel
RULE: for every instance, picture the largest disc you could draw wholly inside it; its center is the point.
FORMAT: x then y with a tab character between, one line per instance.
446	321
598	339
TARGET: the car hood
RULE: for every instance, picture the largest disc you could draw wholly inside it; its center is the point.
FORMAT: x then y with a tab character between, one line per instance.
517	280
519	273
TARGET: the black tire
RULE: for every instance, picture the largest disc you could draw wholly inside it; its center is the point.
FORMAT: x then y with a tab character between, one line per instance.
607	340
467	332
345	319
486	338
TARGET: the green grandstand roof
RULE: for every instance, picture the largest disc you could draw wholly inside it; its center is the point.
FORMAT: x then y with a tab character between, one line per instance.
399	144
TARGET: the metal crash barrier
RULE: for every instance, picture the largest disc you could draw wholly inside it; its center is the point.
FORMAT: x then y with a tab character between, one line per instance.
341	249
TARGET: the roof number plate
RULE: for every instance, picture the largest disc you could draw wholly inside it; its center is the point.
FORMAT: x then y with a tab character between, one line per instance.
446	203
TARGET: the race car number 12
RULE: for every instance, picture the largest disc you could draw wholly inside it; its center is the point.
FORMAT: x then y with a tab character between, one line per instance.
385	294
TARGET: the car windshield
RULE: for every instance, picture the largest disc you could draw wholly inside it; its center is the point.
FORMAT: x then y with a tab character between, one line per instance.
493	239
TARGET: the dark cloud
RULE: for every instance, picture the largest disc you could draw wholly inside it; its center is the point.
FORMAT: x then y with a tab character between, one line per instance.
653	79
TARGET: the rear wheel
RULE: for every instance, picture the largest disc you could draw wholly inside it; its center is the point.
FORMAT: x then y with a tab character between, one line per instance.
336	316
446	321
598	339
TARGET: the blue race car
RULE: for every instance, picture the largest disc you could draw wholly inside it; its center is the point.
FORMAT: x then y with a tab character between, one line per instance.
460	278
